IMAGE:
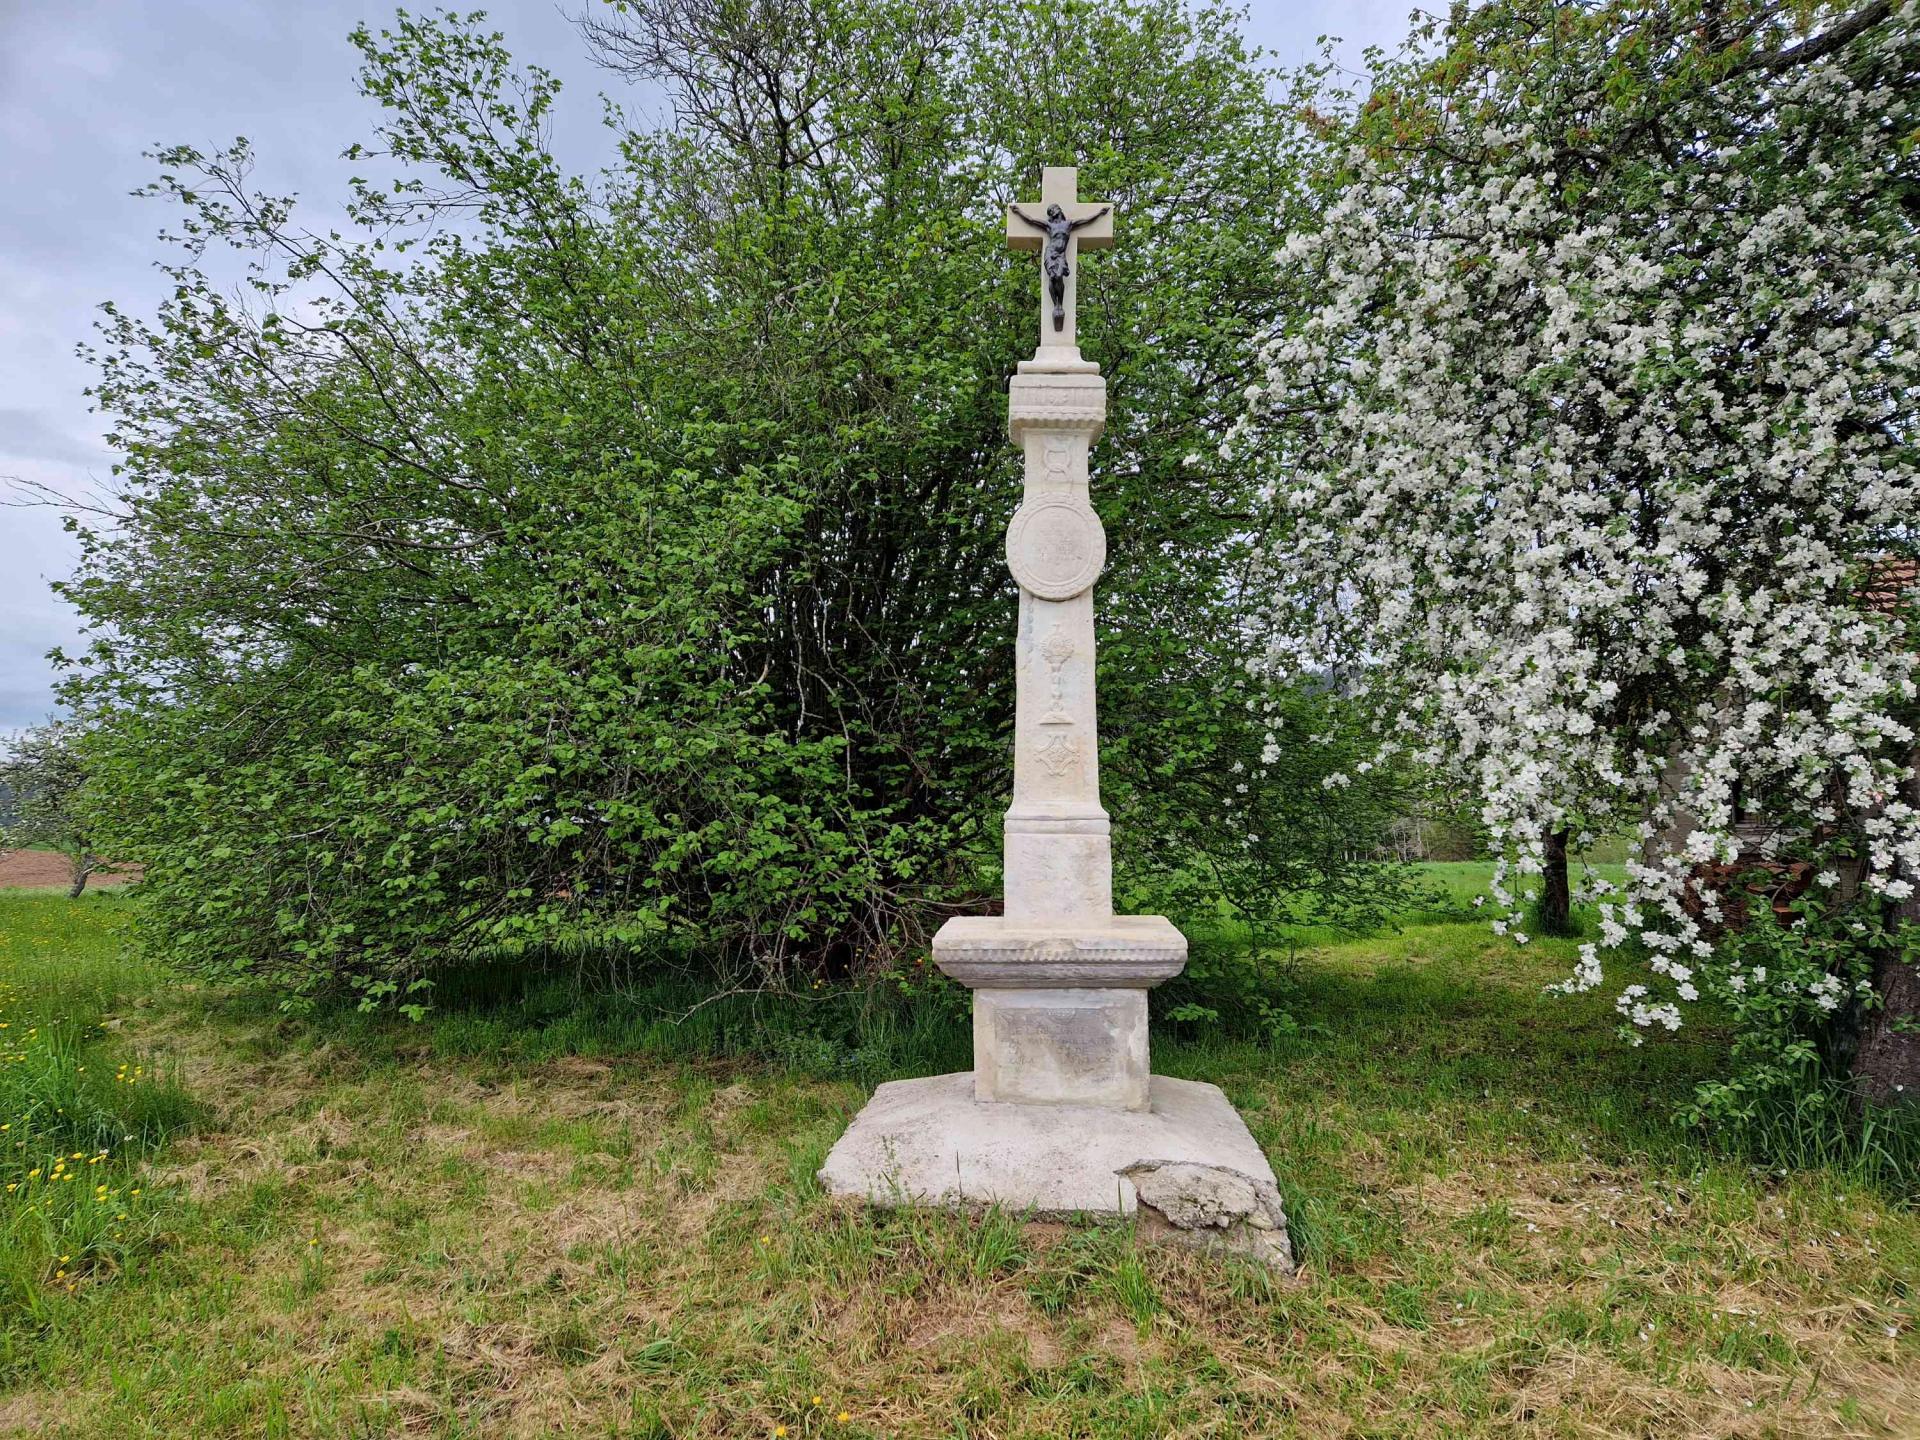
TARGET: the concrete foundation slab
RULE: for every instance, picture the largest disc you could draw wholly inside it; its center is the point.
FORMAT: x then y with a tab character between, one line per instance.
1188	1161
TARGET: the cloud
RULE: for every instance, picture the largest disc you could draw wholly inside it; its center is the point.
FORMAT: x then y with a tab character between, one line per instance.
40	435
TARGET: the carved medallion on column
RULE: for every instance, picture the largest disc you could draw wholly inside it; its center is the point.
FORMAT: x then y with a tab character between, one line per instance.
1056	546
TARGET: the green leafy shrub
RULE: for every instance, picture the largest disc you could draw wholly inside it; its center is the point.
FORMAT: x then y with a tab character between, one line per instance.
617	562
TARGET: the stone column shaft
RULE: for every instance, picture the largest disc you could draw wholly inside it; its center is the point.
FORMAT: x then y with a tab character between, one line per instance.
1059	860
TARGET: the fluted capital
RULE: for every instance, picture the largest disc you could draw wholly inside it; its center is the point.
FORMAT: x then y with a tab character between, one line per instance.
1056	402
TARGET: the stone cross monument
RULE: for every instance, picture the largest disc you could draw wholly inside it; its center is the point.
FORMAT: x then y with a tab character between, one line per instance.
1061	1112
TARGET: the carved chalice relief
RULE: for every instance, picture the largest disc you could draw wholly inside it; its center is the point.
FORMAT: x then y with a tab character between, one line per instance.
1059	753
1056	458
1056	650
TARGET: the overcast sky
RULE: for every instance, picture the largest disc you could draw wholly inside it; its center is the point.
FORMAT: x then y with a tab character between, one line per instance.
86	85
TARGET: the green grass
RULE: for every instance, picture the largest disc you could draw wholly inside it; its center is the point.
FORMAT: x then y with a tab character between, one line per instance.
77	1109
572	1209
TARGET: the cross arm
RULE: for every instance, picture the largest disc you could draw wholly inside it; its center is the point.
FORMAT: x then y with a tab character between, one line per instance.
1092	226
1019	236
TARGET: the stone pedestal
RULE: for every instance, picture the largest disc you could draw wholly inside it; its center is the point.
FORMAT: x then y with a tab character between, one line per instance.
1061	1112
1061	1047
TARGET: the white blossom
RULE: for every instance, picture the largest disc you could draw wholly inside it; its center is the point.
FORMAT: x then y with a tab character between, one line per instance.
1595	495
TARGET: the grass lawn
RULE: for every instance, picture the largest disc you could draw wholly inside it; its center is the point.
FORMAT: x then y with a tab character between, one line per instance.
556	1213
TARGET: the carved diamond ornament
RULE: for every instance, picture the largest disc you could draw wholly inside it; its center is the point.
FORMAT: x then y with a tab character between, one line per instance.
1059	753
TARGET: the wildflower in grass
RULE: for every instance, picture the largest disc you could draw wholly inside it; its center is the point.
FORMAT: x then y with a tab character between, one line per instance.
843	1417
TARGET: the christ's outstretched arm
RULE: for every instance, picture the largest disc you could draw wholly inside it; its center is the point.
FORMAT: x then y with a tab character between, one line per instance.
1078	223
1036	224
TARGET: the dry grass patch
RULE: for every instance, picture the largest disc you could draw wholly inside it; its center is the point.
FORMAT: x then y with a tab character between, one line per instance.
374	1238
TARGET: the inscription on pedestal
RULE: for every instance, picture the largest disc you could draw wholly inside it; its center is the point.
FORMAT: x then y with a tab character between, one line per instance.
1056	547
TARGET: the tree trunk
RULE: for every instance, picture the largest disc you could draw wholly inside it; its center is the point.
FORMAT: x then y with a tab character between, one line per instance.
1556	895
1887	1064
82	867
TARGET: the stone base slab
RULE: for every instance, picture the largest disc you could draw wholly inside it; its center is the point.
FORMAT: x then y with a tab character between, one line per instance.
1187	1166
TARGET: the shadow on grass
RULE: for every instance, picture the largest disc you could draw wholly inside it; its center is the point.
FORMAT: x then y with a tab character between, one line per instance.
1418	1040
1439	1035
556	1004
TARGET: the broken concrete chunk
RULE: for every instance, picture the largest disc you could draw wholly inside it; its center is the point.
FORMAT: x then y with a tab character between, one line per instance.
1211	1207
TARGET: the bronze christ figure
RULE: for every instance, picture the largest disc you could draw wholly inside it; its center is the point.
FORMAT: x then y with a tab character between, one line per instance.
1058	229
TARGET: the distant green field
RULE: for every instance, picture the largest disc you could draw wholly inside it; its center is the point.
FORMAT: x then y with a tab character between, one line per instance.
1463	880
562	1210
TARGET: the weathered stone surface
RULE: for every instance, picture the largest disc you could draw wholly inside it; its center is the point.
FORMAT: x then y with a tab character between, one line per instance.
930	1142
998	952
1061	1047
1056	547
1049	399
1061	1114
1212	1207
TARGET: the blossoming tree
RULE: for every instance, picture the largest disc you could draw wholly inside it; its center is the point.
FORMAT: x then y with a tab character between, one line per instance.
1596	454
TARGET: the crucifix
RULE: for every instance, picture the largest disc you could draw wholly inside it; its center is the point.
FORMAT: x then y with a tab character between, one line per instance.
1066	226
1061	1113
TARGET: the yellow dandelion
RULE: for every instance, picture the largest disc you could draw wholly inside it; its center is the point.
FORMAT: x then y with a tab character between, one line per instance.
816	1399
779	1432
843	1417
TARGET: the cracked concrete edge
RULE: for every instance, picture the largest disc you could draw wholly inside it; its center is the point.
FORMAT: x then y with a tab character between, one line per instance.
1181	1202
1256	1234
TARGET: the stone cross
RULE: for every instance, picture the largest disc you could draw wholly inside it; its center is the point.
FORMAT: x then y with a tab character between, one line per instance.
1061	1112
1060	227
1060	981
